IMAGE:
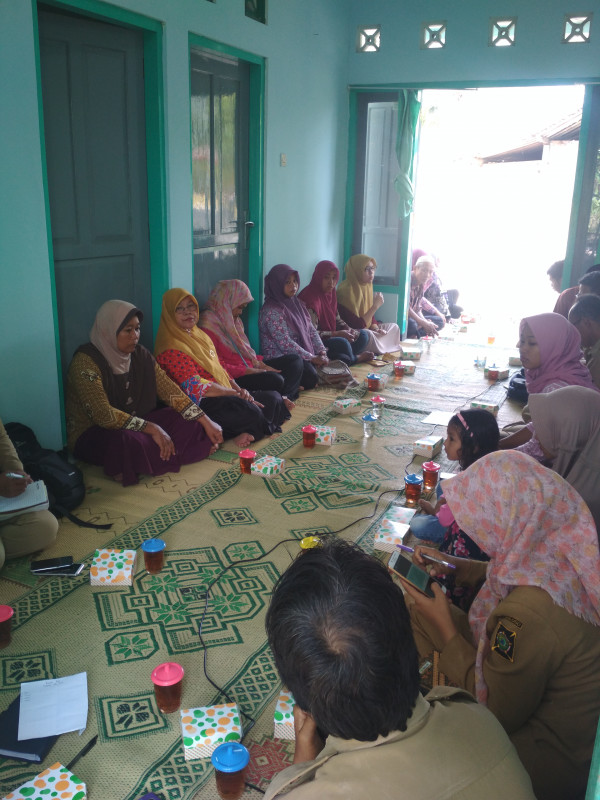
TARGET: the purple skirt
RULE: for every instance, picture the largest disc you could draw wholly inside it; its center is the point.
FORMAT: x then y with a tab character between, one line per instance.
131	453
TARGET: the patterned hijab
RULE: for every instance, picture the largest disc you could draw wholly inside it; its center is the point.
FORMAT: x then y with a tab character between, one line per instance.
560	351
195	344
357	297
110	320
218	318
537	531
567	423
323	304
293	310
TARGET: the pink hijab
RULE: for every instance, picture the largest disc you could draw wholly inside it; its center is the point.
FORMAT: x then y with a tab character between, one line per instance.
313	296
537	531
560	350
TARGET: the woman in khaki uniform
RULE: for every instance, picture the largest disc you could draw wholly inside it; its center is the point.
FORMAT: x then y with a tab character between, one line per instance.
530	646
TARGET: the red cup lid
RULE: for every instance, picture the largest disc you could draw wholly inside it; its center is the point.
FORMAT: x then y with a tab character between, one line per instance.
167	674
309	429
247	454
378	399
431	466
6	612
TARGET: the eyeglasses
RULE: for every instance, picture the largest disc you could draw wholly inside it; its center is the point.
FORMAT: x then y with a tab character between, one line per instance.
369	269
185	309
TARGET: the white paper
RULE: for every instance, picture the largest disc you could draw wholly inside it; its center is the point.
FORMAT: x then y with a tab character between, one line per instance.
438	418
53	706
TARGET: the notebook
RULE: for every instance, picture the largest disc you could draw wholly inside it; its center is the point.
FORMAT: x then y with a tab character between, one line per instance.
34	498
34	750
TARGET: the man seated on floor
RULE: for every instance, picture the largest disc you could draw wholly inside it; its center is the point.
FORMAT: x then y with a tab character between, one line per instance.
342	641
585	315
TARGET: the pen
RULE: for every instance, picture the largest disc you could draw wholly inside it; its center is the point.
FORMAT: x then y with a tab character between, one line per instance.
14	475
427	556
84	751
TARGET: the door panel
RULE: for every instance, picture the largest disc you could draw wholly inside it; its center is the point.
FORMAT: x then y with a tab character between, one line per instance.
219	113
93	96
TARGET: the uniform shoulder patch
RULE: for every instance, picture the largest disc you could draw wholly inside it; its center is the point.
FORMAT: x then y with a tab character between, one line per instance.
504	642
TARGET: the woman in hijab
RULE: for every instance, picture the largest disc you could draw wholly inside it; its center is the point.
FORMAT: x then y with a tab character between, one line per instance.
222	321
342	341
357	304
188	356
567	426
285	325
530	646
113	388
550	351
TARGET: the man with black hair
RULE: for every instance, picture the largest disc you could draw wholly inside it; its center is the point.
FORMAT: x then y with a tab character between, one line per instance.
585	316
569	296
342	641
589	284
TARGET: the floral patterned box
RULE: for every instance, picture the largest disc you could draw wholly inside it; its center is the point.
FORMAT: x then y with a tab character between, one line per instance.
409	367
267	466
493	407
428	446
347	405
283	719
112	568
55	781
502	373
410	353
325	435
392	528
205	728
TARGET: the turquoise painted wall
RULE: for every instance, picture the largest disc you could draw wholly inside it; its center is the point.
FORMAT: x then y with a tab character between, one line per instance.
306	118
538	54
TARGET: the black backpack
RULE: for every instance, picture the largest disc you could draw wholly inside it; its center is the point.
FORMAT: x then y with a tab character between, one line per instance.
517	389
64	481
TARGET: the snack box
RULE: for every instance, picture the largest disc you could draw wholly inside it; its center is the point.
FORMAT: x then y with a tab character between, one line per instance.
410	353
428	446
267	466
283	718
203	729
502	373
55	781
492	407
409	367
325	435
392	528
112	568
514	361
347	405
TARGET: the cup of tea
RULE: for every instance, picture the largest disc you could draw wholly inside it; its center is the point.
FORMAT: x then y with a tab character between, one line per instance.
373	382
412	489
154	555
369	422
309	434
168	683
491	339
246	460
398	369
493	374
431	473
230	761
6	615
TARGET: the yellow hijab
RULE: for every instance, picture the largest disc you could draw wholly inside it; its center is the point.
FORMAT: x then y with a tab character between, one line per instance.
357	297
195	344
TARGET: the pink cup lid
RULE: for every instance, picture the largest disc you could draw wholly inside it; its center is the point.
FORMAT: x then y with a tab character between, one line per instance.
378	399
431	466
309	429
247	454
6	612
167	674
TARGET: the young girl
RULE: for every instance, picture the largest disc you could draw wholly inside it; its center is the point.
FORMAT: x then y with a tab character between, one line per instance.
470	435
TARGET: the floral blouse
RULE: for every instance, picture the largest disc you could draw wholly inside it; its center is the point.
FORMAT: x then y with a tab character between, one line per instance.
276	339
187	373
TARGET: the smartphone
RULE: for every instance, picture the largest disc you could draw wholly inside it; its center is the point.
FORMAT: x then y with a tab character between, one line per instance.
416	576
50	563
68	572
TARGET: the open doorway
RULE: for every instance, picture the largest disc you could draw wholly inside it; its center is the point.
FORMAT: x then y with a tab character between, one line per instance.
493	193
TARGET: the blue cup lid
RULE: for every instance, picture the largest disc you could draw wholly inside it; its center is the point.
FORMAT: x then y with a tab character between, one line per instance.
412	478
374	375
153	545
369	418
230	757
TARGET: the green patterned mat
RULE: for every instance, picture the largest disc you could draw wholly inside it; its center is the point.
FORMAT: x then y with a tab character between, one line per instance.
210	516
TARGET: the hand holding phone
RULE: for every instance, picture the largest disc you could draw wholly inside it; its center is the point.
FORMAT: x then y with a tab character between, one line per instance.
412	574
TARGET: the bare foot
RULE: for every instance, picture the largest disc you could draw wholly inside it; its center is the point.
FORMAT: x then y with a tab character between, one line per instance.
243	440
367	355
289	404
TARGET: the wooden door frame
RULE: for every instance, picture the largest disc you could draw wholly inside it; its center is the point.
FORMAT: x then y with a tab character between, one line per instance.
256	157
152	33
